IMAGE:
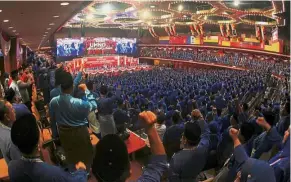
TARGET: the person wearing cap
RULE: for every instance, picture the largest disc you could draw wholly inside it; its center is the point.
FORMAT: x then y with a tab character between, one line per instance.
20	109
251	169
25	134
186	164
105	111
7	117
172	136
58	80
120	117
111	161
68	116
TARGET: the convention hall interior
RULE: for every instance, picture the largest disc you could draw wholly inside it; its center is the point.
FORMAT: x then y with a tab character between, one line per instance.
183	90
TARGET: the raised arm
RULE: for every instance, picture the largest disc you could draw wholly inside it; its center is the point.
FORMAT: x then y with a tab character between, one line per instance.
158	164
22	84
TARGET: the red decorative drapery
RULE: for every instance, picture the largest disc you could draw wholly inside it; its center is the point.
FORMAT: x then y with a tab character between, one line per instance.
221	30
192	29
167	31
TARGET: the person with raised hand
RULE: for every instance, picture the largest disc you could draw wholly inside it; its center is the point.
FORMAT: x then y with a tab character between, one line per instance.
250	169
111	161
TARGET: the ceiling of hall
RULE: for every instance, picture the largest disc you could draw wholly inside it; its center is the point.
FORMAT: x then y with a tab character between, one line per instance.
161	13
34	21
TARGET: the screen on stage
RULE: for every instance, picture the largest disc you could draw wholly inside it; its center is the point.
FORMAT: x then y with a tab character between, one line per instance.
69	47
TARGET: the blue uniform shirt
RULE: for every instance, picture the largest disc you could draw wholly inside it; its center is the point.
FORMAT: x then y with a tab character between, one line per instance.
70	111
25	171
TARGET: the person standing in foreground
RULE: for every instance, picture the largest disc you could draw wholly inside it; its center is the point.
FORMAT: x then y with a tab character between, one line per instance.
14	85
25	134
105	112
69	120
251	169
7	117
111	161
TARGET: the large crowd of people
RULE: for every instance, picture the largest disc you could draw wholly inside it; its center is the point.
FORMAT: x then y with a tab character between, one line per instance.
220	119
233	59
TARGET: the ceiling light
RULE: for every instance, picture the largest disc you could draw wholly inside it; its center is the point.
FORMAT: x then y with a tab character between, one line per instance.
48	28
56	16
180	7
205	17
10	27
145	14
107	7
5	21
0	10
152	6
65	4
236	2
89	17
45	32
51	24
13	30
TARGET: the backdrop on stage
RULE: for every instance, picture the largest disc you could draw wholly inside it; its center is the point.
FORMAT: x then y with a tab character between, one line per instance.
86	46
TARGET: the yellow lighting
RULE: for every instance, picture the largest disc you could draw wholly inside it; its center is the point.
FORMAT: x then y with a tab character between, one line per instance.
236	2
205	17
89	17
180	7
146	14
107	7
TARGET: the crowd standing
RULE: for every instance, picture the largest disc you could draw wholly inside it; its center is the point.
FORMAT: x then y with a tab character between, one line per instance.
194	121
230	59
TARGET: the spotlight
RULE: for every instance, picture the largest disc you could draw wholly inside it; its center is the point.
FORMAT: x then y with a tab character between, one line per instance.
65	4
107	7
145	14
236	2
205	17
180	7
89	17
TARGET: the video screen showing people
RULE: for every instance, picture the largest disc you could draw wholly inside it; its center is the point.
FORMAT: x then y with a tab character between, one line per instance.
125	46
70	47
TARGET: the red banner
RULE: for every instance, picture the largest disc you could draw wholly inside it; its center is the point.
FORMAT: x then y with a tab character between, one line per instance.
178	40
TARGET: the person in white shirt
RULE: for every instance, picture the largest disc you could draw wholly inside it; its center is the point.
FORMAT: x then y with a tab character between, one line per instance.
14	85
160	125
2	91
